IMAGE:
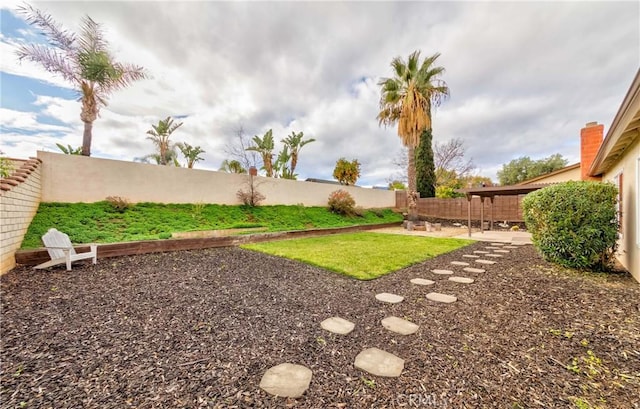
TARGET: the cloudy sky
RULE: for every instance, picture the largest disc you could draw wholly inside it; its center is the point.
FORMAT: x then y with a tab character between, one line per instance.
524	77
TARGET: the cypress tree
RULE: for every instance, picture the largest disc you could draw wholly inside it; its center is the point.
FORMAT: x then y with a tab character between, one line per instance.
425	168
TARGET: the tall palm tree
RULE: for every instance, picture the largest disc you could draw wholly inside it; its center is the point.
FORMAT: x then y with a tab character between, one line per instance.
190	153
83	60
295	143
264	146
407	99
160	135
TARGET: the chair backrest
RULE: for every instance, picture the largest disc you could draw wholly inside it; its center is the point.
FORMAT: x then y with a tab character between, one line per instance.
55	238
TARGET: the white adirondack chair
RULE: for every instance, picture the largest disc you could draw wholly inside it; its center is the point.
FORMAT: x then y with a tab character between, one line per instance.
61	250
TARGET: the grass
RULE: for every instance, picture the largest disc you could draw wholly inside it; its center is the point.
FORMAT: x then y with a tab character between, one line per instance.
363	256
101	223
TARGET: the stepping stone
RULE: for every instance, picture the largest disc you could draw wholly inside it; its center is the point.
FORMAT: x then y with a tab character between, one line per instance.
510	247
485	261
442	271
463	280
338	325
402	327
470	256
286	380
474	270
501	251
441	298
493	255
459	263
480	252
422	281
497	244
380	363
390	298
492	248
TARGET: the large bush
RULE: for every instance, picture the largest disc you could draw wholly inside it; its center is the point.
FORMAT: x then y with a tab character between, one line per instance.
341	202
574	224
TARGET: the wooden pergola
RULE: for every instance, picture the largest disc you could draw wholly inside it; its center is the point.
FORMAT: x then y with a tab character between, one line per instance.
491	192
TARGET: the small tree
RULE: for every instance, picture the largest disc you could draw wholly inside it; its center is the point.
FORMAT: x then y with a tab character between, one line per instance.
425	168
574	224
250	196
159	135
6	166
68	150
347	173
190	153
232	166
264	146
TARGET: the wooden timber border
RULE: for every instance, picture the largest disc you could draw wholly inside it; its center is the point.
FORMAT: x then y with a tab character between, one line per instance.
37	256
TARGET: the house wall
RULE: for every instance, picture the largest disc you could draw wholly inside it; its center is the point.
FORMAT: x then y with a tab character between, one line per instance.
558	177
75	178
19	200
629	243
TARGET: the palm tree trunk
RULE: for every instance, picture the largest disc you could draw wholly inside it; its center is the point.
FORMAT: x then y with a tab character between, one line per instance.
412	195
86	138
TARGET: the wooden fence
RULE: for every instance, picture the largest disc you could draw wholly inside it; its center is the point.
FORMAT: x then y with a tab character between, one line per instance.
507	208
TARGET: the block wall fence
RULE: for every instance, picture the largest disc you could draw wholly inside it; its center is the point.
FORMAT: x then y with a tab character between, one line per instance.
19	200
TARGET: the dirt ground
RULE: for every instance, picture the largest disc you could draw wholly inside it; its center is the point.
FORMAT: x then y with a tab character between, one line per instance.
198	329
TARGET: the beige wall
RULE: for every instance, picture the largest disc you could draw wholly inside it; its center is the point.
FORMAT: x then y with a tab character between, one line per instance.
559	177
74	178
629	243
18	205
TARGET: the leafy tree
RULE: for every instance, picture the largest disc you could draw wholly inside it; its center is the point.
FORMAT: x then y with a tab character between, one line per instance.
159	135
407	99
82	59
397	185
294	142
524	168
425	169
281	168
6	166
68	150
347	173
190	153
264	146
232	166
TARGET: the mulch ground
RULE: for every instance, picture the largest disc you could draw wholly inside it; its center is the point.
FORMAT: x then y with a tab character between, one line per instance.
195	329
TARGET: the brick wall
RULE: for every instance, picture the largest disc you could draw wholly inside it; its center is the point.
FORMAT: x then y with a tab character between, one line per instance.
590	141
19	199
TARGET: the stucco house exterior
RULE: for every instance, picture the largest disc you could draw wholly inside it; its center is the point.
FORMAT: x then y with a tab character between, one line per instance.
617	160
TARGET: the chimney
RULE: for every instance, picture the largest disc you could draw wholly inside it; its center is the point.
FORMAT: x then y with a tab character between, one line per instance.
590	141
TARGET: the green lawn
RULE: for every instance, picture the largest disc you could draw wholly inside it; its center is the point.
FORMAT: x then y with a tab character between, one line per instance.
101	223
363	256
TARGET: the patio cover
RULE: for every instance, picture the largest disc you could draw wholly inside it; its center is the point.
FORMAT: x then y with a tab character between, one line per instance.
491	192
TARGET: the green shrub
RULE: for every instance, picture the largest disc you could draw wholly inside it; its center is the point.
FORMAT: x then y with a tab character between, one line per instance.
574	224
341	202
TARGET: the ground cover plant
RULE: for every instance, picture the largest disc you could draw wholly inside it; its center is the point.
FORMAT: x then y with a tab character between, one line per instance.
199	328
364	256
109	222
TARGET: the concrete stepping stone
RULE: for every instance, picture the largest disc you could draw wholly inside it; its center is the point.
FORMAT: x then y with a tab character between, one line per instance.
459	263
445	298
481	261
286	380
493	255
463	280
437	271
422	281
497	244
400	326
470	256
510	247
492	248
474	270
480	252
380	363
390	298
338	325
501	251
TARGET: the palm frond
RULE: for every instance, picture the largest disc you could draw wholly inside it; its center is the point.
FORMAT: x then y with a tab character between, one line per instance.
51	60
56	35
91	39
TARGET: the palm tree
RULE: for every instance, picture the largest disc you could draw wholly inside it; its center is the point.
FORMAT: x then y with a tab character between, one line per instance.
232	166
407	99
295	143
190	153
83	60
281	169
160	135
264	146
